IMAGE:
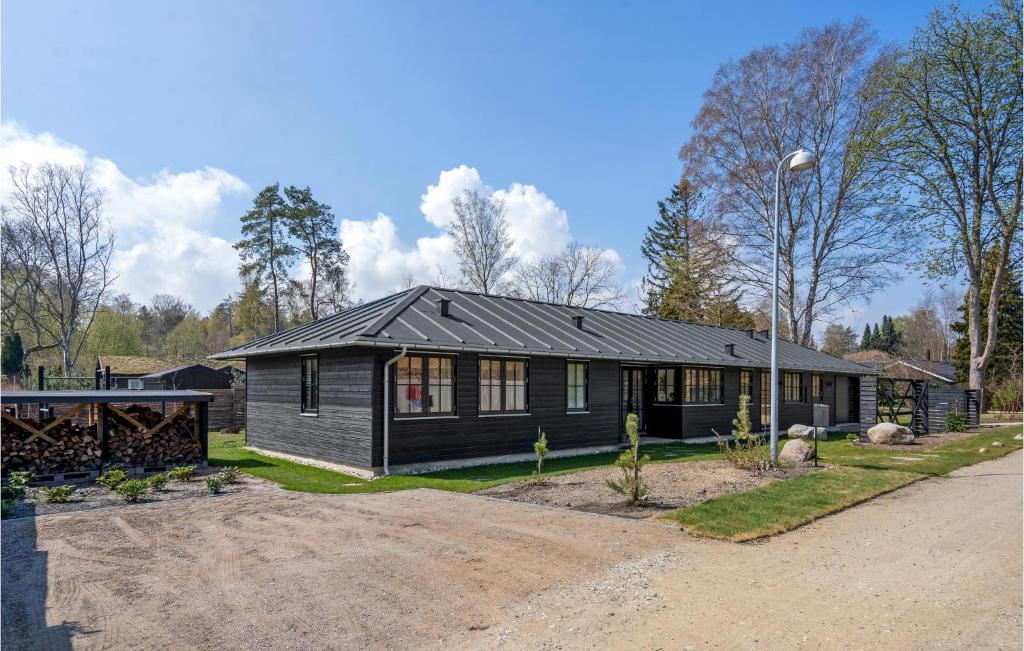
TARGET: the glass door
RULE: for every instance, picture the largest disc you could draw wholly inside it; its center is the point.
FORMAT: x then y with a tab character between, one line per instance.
633	395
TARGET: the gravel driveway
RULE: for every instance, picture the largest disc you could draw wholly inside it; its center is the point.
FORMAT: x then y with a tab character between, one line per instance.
935	565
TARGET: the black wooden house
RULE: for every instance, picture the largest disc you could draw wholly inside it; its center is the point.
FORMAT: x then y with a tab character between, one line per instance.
430	375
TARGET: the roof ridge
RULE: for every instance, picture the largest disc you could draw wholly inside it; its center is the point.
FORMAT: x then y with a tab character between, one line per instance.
385	319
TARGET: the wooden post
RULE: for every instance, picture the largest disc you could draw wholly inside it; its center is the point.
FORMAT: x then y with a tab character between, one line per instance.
203	426
41	377
106	377
102	434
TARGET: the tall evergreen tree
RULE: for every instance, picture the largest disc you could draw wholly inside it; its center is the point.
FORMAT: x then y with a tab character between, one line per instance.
866	341
264	248
312	225
668	242
684	275
12	356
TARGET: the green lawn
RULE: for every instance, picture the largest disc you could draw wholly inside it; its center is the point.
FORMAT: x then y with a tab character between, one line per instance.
229	450
866	473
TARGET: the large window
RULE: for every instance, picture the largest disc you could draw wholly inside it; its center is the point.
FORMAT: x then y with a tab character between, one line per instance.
816	389
791	387
665	385
503	386
576	386
310	385
703	386
425	385
747	383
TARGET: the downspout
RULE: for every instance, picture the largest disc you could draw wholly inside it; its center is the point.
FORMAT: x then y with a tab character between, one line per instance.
387	401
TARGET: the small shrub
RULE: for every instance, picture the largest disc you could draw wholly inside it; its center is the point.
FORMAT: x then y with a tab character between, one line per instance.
852	438
7	507
58	494
956	420
214	484
12	492
21	478
182	473
112	479
132	490
229	474
158	481
748	452
632	484
540	448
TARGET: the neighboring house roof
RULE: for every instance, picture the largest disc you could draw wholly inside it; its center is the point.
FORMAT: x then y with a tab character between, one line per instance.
906	369
134	365
500	325
178	369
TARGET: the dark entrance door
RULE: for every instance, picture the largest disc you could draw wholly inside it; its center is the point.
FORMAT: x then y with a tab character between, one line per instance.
633	395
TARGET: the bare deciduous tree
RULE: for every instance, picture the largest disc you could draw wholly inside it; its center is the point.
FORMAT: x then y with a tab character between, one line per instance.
577	276
56	254
482	242
837	221
951	109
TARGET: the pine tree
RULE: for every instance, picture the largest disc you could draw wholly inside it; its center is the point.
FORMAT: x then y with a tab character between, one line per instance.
264	248
312	225
866	342
876	338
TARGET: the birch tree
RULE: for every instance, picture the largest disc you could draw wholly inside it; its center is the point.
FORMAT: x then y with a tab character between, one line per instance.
950	106
839	222
576	275
482	242
56	255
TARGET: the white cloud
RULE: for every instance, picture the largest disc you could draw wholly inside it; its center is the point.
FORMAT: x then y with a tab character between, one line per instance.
380	261
160	223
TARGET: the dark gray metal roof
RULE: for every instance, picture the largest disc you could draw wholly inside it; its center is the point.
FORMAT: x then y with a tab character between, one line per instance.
502	325
28	397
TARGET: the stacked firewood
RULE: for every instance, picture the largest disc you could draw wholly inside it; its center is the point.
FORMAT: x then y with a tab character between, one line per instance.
174	443
76	449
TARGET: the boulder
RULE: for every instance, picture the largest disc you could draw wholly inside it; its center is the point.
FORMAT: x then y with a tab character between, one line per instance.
997	444
807	432
1019	437
796	451
890	433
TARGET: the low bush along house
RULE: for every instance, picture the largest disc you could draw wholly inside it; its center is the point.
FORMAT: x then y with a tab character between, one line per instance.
431	375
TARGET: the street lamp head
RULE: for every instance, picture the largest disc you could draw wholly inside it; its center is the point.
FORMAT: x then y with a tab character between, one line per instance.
802	160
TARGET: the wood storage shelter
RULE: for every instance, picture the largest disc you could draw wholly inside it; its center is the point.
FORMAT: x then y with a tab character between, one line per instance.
431	377
82	431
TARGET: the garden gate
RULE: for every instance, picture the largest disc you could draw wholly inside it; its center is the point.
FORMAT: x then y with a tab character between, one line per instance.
904	402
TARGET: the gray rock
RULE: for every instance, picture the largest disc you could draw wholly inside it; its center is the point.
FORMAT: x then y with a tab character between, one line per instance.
807	432
796	451
997	444
1019	437
890	433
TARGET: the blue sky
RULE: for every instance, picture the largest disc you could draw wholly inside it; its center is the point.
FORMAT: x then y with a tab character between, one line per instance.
368	102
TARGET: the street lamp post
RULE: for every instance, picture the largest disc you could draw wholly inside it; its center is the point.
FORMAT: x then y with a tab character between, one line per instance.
799	160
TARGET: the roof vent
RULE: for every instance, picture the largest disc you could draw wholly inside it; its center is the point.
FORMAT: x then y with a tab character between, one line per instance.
750	332
577	320
442	306
730	350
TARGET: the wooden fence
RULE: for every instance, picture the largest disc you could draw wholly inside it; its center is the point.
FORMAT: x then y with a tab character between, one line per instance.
228	408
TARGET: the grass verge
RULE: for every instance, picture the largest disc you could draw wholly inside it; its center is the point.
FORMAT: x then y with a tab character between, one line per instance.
229	450
864	473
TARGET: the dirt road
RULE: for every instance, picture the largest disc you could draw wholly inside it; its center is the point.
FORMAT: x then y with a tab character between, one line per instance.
935	565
